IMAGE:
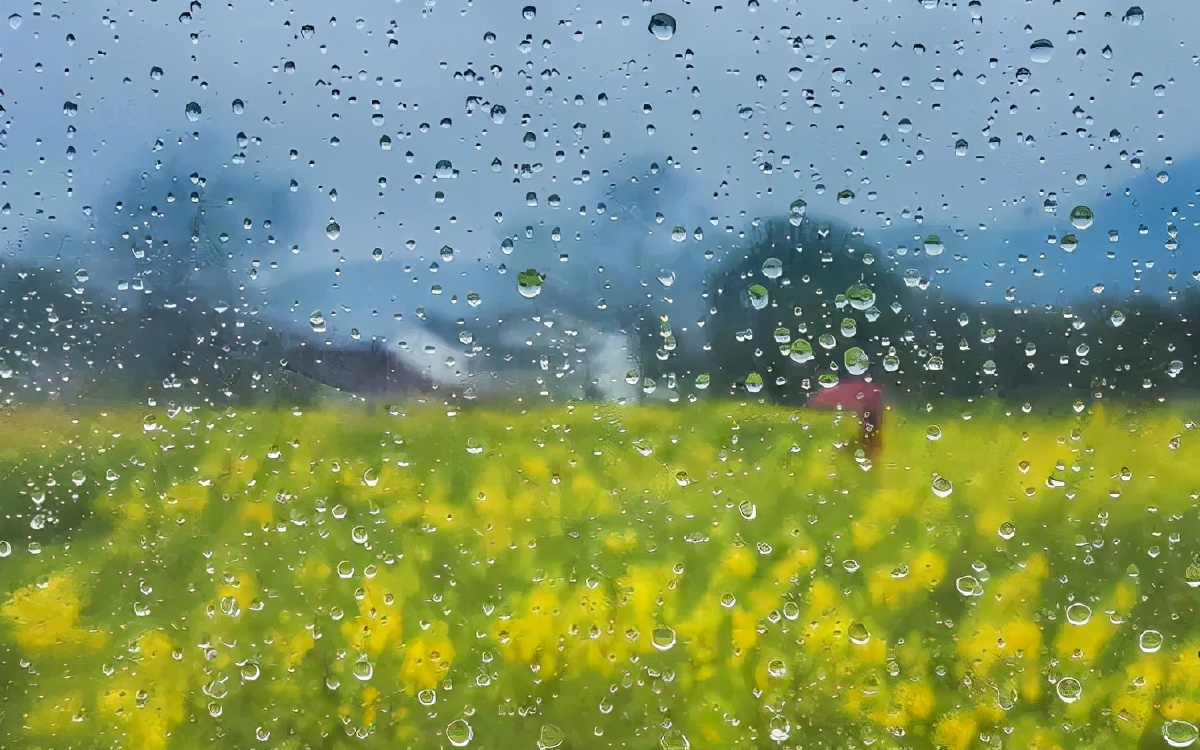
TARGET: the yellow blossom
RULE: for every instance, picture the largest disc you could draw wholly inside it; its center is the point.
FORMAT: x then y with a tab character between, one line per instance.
47	616
956	730
427	658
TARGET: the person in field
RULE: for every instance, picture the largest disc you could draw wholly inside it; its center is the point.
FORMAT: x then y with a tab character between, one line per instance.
861	396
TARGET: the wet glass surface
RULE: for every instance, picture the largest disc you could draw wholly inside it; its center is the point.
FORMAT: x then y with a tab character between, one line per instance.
633	375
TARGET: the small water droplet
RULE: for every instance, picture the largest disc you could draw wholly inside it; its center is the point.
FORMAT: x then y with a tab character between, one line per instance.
856	361
759	296
968	586
550	737
317	321
1069	689
1078	613
459	733
662	26
663	638
858	634
192	110
797	212
1179	733
1041	51
529	283
1150	641
801	351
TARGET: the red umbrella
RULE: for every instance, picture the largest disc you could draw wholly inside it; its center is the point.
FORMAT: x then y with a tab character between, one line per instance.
860	396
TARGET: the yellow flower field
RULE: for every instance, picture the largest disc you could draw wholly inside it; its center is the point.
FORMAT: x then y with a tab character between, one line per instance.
725	575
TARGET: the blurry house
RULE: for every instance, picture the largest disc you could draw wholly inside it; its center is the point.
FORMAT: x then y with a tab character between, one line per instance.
366	369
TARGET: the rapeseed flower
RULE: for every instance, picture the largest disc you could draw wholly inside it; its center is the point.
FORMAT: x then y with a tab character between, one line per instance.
47	616
149	699
956	730
427	658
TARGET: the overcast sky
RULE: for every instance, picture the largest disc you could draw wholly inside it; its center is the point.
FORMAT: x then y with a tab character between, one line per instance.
938	116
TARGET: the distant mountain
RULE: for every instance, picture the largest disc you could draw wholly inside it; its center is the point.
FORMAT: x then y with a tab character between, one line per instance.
1142	212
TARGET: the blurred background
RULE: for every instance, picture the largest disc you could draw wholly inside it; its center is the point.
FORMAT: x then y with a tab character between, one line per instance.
619	201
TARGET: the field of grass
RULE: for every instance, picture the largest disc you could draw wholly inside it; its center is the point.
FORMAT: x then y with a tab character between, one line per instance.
715	575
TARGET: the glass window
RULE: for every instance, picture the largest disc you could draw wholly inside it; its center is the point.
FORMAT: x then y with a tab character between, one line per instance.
604	374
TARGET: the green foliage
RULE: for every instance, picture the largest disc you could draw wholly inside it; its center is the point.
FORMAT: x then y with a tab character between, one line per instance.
820	277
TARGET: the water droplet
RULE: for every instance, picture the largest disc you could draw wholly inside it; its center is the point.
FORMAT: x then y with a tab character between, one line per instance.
933	433
1117	318
1150	641
317	321
239	106
801	351
1007	530
1078	613
1082	217
333	230
666	276
14	21
673	739
662	25
1191	576
1069	689
856	361
550	737
860	296
845	197
529	12
459	733
754	382
443	169
529	283
192	110
1179	733
759	296
968	586
363	669
933	245
663	638
1041	51
1134	16
797	212
858	634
